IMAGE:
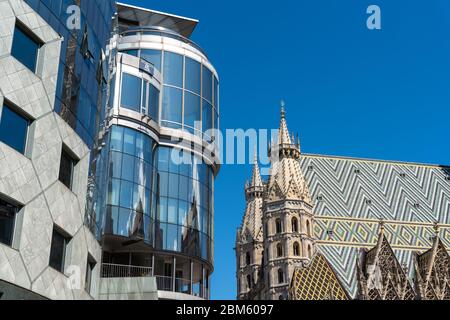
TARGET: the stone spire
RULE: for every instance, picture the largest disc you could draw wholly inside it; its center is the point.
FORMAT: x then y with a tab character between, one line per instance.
256	175
283	132
286	178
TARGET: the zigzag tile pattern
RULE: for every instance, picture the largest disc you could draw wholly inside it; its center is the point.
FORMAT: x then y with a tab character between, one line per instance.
352	195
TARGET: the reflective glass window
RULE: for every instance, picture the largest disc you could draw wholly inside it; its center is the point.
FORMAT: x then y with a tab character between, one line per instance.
206	116
163	159
152	56
172	238
128	167
131	92
163	178
162	209
126	194
25	48
117	138
153	102
173	69
13	129
191	110
172	213
171	108
193	75
114	192
116	164
173	185
207	84
123	222
129	141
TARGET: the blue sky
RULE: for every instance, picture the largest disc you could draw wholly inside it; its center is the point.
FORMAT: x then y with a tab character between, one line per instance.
349	91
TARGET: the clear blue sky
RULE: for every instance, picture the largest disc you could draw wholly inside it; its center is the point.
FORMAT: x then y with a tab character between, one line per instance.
348	91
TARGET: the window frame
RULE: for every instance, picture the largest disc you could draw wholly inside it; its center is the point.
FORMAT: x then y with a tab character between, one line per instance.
31	36
66	242
18	112
73	163
17	208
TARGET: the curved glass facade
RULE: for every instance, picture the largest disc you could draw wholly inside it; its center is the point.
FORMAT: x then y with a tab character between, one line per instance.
79	92
190	93
161	196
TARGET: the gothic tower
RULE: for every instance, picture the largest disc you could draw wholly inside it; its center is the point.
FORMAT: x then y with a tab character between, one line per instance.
249	241
288	216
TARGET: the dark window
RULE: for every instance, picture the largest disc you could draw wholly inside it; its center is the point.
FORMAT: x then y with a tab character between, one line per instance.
58	250
279	250
294	225
308	228
247	258
25	48
89	271
13	129
278	226
280	276
66	168
296	249
7	217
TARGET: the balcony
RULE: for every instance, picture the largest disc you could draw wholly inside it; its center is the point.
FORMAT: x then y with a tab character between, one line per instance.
165	284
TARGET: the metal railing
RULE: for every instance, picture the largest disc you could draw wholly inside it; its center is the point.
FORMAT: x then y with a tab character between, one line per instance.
163	283
124	271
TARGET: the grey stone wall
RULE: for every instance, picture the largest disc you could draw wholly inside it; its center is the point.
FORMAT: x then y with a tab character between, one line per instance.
32	179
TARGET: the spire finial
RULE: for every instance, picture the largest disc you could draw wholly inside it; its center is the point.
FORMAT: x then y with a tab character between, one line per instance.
283	111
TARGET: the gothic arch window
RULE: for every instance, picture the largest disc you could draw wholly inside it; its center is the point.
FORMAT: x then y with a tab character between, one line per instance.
309	251
280	276
279	250
281	297
266	229
278	226
249	282
247	258
296	249
294	224
308	228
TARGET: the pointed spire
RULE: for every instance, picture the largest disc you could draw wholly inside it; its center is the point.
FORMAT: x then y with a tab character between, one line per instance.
283	132
256	175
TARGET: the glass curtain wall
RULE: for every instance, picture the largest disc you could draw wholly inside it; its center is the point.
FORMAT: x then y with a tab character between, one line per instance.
190	91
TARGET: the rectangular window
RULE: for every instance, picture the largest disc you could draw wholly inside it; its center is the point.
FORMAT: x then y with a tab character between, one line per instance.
193	78
91	263
58	250
207	86
191	111
171	114
25	48
13	129
131	92
8	213
173	69
66	168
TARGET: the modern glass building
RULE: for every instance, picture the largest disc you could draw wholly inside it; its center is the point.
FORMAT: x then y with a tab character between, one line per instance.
52	93
154	184
106	191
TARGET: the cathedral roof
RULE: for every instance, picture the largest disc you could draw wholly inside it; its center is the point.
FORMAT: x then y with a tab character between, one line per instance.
432	269
381	276
317	281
